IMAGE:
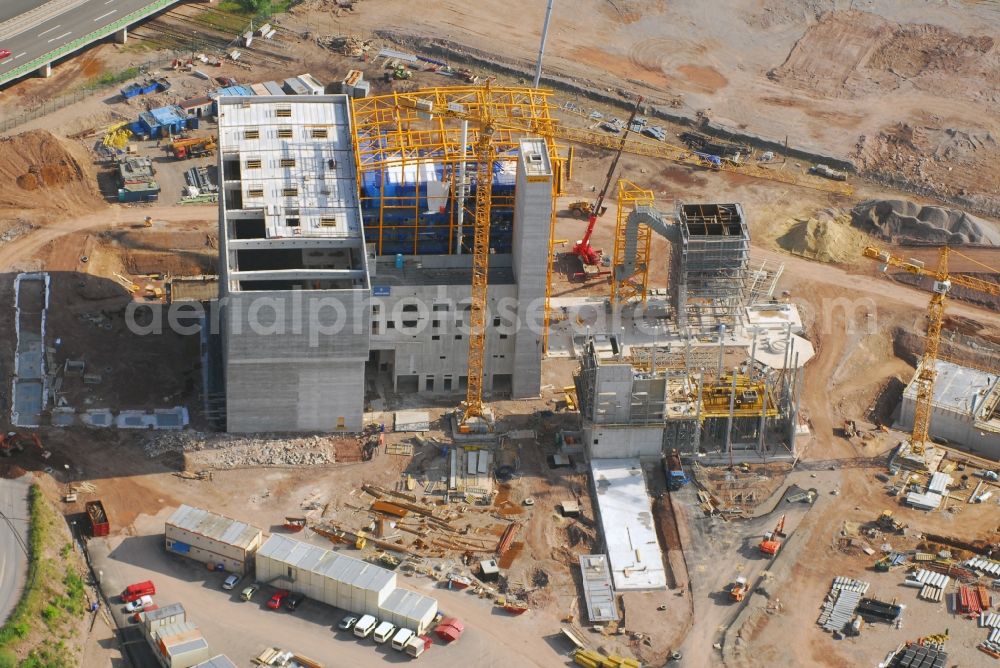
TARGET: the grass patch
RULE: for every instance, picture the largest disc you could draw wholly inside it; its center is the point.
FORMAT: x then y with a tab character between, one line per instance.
54	597
234	16
111	78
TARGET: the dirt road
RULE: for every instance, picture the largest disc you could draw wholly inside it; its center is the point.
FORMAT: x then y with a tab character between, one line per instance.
28	245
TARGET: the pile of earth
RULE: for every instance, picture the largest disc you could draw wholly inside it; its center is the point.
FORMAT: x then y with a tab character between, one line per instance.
42	174
827	237
900	221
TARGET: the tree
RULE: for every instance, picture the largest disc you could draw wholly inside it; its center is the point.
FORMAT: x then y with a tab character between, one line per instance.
259	7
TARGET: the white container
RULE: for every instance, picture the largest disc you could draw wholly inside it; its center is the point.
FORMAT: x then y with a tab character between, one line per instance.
365	626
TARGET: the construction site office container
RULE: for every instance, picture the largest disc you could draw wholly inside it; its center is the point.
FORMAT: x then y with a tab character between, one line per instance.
180	646
335	579
212	539
409	610
153	620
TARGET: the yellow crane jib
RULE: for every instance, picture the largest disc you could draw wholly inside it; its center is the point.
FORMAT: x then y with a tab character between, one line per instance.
943	283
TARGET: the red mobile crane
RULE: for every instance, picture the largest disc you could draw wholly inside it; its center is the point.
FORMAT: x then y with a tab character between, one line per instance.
590	257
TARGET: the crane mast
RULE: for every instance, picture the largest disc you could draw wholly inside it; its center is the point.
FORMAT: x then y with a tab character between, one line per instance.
927	374
485	157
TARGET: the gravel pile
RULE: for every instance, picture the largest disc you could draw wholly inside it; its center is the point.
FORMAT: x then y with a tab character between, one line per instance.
225	451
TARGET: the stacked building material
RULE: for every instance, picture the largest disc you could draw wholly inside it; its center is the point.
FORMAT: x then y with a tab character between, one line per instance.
967	601
926	577
841	602
929	593
984	565
990	620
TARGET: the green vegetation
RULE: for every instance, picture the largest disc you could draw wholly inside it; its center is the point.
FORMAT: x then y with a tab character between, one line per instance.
111	78
54	597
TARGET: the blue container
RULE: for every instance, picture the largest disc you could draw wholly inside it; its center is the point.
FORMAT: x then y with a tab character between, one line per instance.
399	260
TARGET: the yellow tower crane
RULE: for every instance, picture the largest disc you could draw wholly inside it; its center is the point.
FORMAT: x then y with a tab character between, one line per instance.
927	372
476	416
501	114
475	410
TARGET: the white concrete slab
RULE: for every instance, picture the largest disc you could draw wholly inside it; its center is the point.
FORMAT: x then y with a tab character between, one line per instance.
626	516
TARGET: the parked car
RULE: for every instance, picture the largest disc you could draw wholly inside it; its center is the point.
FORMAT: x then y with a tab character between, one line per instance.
139	604
275	601
294	600
248	592
4	53
231	581
347	623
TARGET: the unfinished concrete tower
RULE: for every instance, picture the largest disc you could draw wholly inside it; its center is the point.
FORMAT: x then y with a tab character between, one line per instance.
294	286
714	255
532	216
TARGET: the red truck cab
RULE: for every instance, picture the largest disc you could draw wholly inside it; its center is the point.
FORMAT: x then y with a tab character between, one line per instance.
138	590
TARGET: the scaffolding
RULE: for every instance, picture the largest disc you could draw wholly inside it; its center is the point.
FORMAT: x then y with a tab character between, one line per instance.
410	164
714	260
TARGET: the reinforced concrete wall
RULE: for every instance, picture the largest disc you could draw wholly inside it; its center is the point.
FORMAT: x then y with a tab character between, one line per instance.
428	345
532	222
623	441
294	361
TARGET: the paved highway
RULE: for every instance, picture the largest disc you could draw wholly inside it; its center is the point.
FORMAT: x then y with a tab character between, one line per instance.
13	562
63	22
11	8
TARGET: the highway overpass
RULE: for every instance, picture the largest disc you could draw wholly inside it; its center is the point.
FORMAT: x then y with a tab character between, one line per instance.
37	33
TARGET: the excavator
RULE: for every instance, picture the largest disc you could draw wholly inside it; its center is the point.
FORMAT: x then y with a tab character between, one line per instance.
771	544
14	442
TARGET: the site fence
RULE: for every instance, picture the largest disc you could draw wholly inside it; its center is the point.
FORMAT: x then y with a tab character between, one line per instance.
72	97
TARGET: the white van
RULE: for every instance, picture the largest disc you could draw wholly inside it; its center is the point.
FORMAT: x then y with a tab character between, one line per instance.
365	625
383	632
401	638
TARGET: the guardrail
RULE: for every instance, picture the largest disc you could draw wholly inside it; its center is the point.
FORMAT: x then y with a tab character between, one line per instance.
100	33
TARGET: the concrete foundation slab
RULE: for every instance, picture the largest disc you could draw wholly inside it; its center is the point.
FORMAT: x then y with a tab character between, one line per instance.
97	417
627	527
63	417
412	421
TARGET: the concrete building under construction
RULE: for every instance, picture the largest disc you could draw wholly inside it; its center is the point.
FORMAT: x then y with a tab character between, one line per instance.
723	378
965	410
345	265
637	400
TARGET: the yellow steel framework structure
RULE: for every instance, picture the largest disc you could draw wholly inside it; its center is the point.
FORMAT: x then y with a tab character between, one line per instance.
625	288
927	373
752	398
398	132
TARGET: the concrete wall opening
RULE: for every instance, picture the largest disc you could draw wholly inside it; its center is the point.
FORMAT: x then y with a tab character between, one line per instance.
250	228
408	384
